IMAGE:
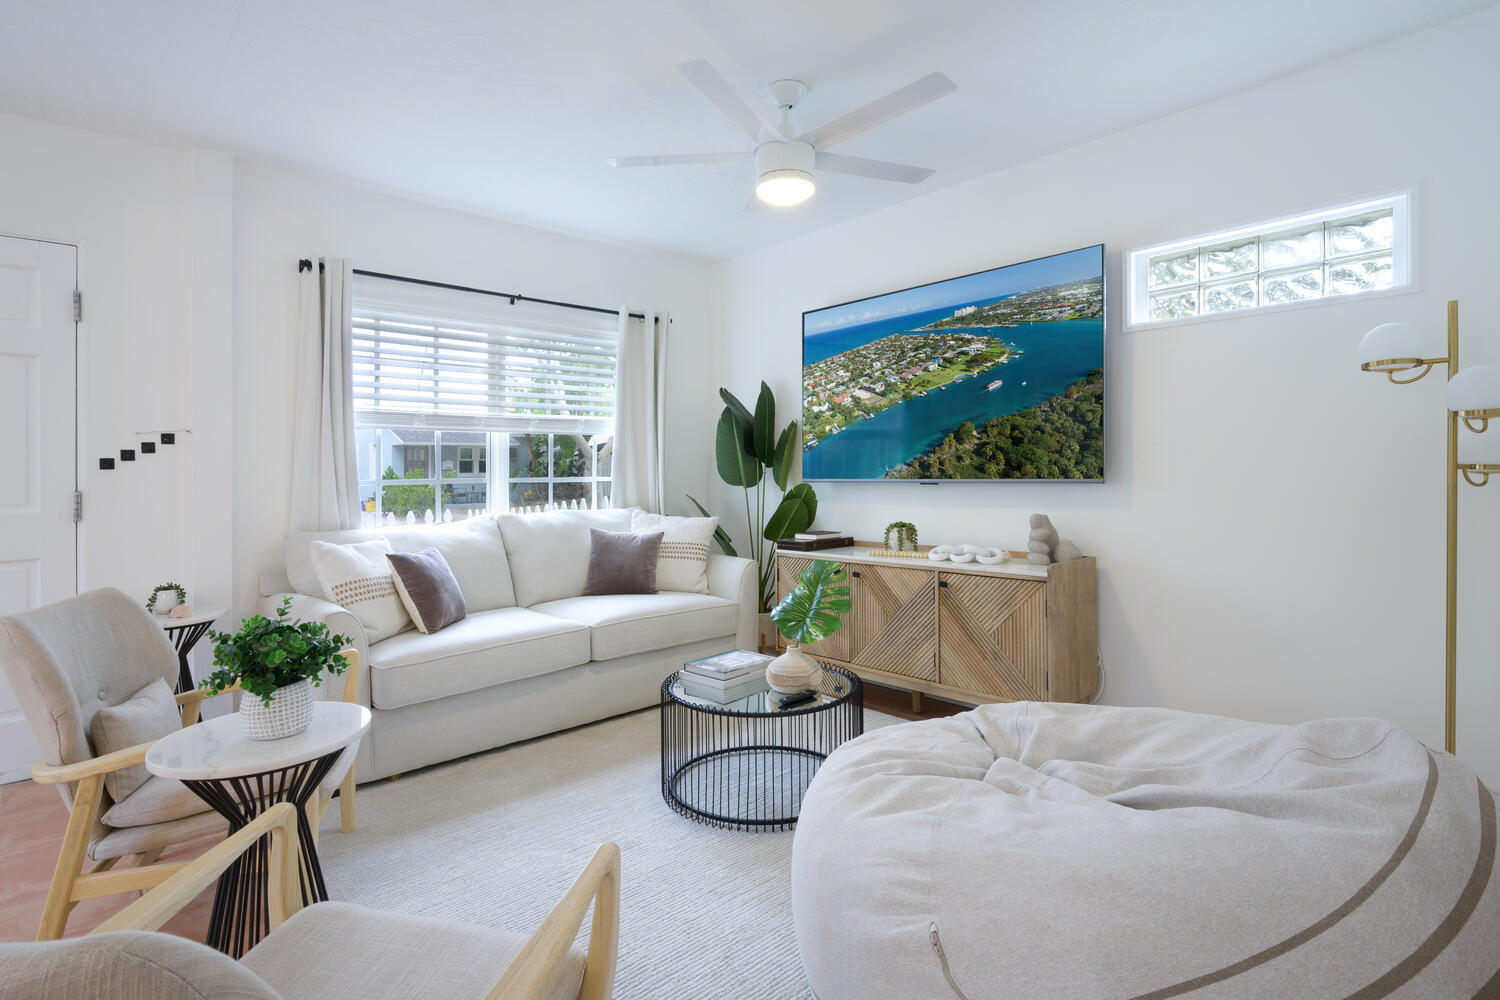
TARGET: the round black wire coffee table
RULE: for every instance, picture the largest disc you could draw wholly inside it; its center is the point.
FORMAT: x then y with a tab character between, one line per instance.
745	765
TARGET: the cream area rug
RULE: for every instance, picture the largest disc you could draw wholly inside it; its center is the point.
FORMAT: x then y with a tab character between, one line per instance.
497	838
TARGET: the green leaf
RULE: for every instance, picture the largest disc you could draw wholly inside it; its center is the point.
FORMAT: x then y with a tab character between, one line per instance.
737	408
796	513
763	430
736	466
811	610
720	535
786	450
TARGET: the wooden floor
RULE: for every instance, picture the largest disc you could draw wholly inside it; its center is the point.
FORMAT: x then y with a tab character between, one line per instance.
32	821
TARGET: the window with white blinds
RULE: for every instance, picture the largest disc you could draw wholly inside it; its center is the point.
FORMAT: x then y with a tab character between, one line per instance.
443	358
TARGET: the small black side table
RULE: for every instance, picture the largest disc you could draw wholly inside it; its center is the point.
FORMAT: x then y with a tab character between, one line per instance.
241	778
185	633
747	764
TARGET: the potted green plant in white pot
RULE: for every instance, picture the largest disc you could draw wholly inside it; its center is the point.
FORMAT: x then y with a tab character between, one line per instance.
277	663
808	613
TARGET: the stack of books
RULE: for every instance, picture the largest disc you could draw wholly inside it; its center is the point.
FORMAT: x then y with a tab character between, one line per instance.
813	540
726	677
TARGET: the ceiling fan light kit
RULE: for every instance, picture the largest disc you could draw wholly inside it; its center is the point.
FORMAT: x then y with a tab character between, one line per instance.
784	161
784	172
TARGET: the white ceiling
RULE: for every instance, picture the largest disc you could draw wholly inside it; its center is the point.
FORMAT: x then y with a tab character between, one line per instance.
509	109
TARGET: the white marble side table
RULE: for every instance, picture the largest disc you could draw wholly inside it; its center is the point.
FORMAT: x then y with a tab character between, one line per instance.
185	633
240	778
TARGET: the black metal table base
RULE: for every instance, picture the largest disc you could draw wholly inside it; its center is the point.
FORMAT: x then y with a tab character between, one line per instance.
745	769
183	640
241	912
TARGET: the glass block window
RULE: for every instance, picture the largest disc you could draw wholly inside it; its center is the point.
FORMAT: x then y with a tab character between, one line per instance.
1347	250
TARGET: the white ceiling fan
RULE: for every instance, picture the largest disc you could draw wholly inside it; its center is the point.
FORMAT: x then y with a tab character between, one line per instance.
784	161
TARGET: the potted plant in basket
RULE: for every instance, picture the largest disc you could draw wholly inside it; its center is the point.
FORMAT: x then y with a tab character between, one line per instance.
277	663
809	612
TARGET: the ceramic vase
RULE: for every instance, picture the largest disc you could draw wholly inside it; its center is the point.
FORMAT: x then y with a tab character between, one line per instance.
288	714
793	671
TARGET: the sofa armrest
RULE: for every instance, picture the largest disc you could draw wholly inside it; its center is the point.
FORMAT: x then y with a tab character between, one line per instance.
736	579
340	621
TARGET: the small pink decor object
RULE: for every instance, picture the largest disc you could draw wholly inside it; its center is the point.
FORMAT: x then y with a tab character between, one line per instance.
180	611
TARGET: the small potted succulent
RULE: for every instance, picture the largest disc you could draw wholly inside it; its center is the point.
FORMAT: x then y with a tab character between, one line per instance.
277	663
808	613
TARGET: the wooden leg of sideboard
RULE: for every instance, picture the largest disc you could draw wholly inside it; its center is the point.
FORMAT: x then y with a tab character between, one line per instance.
916	702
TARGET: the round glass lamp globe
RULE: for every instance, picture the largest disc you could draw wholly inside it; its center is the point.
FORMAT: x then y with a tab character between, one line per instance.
1396	344
1476	387
784	188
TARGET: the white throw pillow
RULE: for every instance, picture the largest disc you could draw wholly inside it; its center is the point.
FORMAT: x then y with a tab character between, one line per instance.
682	563
144	717
358	578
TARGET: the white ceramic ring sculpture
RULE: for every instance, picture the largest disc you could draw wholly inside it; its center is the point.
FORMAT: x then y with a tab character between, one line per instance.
991	556
940	552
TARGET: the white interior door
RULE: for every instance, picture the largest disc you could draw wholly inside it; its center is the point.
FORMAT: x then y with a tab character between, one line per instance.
38	449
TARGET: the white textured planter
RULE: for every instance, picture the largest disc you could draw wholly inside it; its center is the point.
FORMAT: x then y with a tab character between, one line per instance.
793	671
288	714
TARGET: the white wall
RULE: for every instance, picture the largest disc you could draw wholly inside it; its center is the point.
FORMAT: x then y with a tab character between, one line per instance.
280	216
1270	538
150	222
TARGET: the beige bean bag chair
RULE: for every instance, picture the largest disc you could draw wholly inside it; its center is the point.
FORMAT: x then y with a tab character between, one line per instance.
1072	852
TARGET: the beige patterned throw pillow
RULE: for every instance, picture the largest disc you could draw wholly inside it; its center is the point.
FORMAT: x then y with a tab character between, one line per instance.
358	578
682	563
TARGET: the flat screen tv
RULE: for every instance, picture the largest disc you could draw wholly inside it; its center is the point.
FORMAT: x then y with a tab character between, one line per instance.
997	375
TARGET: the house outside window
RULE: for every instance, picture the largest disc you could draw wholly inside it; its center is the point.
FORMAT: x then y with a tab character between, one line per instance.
466	404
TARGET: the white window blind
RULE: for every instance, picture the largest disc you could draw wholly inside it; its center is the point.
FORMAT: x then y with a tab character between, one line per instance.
443	358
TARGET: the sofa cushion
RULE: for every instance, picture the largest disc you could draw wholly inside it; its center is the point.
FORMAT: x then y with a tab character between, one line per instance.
622	562
549	553
357	576
682	563
485	649
428	589
623	624
472	549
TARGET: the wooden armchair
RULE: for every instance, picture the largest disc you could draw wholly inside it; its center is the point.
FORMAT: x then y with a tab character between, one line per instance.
67	660
328	951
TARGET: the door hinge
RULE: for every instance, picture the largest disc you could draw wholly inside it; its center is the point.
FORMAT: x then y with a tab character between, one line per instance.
77	306
77	506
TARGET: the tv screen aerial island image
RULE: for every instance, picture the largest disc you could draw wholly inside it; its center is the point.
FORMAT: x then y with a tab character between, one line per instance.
994	375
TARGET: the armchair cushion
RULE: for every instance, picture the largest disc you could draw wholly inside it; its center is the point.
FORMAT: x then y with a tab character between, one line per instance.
144	717
338	951
126	965
159	800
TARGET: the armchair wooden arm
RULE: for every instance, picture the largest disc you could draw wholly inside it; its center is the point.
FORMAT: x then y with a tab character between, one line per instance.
163	902
191	702
44	773
531	974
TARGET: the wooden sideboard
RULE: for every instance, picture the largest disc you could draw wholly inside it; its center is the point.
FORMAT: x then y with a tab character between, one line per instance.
964	631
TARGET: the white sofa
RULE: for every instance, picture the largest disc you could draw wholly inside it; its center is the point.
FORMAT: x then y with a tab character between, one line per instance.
534	655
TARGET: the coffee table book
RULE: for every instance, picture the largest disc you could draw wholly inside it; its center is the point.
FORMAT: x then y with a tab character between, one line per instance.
728	666
724	693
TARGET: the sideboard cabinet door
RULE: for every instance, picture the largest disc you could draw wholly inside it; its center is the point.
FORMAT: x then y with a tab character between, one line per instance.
788	568
993	636
894	625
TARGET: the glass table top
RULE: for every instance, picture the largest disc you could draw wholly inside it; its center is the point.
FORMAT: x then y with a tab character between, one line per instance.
833	686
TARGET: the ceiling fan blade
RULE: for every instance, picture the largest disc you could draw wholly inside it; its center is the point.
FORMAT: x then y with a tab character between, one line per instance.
881	110
673	159
701	74
881	170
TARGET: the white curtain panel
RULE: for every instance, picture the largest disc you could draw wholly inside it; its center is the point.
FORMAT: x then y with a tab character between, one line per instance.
325	483
640	412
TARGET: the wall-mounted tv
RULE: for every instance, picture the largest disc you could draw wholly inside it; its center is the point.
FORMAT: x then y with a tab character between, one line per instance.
997	375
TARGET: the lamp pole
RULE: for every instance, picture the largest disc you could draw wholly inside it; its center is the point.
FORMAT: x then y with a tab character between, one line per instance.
1450	650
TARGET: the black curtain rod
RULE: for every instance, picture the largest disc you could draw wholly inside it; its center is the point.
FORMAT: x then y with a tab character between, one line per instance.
306	265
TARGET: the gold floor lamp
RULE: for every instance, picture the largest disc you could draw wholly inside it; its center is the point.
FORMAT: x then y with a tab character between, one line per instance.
1473	397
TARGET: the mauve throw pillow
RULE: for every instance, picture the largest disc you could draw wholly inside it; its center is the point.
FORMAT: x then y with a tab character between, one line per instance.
622	562
428	589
